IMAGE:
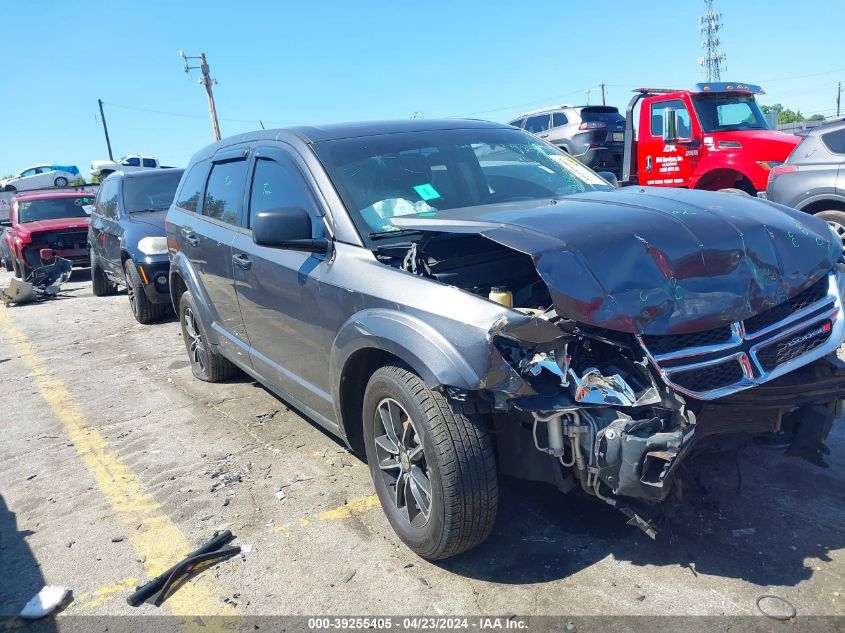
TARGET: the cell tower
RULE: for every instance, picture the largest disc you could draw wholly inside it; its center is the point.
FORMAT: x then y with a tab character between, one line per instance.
712	60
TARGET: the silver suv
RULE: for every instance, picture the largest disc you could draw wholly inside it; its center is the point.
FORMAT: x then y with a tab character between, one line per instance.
595	135
813	177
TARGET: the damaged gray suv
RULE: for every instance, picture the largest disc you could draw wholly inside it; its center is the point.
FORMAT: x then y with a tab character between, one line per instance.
459	299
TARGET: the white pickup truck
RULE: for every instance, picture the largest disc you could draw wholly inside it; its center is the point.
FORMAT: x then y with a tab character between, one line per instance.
131	162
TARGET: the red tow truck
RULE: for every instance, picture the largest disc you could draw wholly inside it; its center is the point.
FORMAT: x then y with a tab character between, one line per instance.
713	137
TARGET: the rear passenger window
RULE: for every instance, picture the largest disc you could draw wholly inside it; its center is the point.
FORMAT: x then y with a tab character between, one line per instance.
537	124
192	188
276	185
149	162
835	141
558	119
224	191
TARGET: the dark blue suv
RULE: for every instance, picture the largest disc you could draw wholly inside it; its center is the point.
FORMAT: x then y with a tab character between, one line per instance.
127	240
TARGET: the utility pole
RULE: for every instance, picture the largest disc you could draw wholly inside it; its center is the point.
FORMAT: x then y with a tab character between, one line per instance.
838	97
206	81
710	23
105	128
602	94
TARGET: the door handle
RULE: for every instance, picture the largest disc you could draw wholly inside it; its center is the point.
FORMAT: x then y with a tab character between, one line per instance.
242	261
648	163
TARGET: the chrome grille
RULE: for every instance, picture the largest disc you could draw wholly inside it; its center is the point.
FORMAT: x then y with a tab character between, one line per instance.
724	360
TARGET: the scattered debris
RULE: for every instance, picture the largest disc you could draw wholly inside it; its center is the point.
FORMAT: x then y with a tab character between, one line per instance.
246	548
350	575
117	539
266	417
786	611
71	543
226	501
42	283
325	452
744	532
31	477
280	495
423	581
154	452
43	603
640	598
157	590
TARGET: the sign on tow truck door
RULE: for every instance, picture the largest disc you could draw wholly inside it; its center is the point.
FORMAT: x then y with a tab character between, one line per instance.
666	163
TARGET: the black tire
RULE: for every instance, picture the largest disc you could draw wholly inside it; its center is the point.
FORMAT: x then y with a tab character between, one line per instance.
734	190
8	265
457	460
144	310
17	267
9	189
100	284
60	182
836	219
206	364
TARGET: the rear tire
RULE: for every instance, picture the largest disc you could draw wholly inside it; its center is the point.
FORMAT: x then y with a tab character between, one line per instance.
8	264
60	182
17	267
144	310
206	364
432	447
836	219
9	189
100	284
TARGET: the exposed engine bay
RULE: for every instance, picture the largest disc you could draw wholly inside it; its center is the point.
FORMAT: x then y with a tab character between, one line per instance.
618	412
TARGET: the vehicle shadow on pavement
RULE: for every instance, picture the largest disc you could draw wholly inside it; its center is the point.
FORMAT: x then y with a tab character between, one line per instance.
21	578
786	512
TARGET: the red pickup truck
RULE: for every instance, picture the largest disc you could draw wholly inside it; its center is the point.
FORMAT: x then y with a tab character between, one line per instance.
55	221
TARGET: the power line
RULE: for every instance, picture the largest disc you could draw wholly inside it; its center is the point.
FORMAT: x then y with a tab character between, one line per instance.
519	105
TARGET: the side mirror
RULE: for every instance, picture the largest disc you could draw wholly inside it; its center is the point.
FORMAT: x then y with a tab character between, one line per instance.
288	227
670	124
610	177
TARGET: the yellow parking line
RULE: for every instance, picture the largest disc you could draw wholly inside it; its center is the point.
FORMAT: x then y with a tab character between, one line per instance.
159	539
350	508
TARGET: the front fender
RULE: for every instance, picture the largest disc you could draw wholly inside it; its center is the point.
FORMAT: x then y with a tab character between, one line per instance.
410	339
180	265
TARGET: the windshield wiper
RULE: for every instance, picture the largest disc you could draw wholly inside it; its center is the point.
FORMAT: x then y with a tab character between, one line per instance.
150	210
381	235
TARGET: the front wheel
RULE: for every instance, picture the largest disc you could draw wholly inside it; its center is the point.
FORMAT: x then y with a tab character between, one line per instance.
144	310
736	191
434	469
836	220
60	182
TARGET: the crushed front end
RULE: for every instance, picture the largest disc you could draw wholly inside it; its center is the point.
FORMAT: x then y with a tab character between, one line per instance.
618	414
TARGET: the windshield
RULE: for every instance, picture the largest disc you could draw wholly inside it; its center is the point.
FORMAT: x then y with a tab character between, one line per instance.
380	177
720	112
53	209
150	192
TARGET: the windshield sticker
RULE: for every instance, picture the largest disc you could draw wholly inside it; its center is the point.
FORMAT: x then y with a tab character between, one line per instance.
582	172
426	191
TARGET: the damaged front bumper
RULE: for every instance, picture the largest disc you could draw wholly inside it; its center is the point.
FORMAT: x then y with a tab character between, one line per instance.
613	411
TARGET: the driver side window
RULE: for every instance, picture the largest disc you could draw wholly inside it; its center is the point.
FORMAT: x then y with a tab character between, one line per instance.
277	184
658	111
132	162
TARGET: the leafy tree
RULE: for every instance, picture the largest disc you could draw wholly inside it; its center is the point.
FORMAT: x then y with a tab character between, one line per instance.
785	115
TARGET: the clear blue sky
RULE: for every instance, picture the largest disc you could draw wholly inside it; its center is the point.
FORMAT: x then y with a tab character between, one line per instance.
311	62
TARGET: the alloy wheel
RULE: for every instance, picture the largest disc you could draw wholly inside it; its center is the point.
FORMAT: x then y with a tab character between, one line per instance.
402	462
195	345
130	292
839	229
